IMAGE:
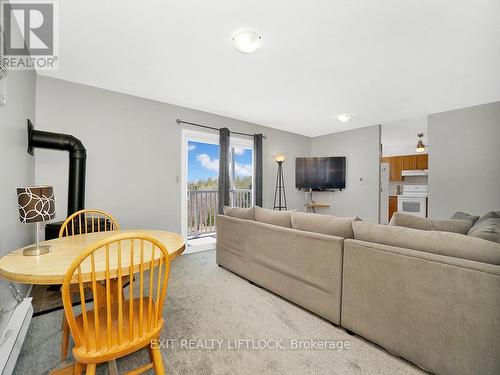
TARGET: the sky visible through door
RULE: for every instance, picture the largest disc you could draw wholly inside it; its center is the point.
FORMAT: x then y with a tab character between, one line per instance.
203	166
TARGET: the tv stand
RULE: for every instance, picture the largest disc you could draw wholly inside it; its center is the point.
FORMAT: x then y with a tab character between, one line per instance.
312	204
315	205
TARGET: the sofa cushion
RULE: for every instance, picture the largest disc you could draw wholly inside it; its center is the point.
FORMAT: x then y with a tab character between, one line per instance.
443	243
487	227
402	219
279	218
240	213
324	224
464	216
452	225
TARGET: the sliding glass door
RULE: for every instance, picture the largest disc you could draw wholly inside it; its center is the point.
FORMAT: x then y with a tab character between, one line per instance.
200	180
203	173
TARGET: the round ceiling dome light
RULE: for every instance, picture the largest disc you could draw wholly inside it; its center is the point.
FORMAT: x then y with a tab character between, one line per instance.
247	41
344	117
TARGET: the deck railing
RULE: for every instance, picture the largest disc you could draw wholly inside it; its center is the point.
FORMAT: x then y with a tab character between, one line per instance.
202	209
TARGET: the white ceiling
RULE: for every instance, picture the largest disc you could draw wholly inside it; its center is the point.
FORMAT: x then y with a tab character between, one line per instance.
382	60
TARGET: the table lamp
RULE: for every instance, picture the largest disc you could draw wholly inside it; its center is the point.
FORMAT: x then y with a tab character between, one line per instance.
36	204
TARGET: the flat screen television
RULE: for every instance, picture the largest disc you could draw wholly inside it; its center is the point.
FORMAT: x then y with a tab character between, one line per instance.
320	173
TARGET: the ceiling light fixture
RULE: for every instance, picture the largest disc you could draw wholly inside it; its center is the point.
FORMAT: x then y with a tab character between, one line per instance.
420	144
247	41
344	117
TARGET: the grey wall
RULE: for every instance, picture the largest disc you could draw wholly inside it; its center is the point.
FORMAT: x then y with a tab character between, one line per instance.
16	165
362	149
134	152
464	160
17	168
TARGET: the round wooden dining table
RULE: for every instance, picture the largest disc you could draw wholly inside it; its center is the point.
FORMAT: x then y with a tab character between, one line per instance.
50	268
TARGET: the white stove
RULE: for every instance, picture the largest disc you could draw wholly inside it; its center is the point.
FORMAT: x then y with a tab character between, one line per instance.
413	200
415	190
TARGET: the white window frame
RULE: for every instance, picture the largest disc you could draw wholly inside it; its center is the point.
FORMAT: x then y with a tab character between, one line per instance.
246	144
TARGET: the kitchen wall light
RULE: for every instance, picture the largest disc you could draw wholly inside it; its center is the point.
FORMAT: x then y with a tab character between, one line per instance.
420	144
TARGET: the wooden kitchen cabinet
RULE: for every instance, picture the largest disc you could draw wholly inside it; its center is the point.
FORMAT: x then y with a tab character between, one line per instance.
413	162
409	162
393	205
422	161
405	163
396	165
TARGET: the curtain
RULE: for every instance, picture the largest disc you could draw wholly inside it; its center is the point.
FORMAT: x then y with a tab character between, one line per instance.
257	149
223	188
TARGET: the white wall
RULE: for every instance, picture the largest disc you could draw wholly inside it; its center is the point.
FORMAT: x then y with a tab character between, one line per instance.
17	168
134	152
134	155
464	161
362	149
400	137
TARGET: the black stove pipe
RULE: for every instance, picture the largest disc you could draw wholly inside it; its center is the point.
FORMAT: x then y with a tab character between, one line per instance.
77	161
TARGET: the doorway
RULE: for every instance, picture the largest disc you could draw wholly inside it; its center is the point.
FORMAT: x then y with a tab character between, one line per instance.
200	172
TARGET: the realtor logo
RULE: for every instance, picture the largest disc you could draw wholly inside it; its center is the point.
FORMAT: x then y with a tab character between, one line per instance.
30	34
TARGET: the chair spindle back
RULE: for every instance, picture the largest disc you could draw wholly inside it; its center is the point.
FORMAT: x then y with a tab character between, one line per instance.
117	319
88	221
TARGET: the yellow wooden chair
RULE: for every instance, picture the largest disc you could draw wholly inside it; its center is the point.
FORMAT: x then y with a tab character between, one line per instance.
82	222
115	326
88	221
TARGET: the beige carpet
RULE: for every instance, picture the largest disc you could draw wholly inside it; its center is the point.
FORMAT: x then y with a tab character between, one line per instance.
208	303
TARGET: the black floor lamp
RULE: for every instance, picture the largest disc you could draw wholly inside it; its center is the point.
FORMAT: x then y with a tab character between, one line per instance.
279	192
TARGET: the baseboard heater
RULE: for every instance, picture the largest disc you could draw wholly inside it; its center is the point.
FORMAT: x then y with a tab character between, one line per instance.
13	336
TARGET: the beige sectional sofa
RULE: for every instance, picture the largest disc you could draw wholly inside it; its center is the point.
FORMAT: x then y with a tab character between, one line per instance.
432	297
303	267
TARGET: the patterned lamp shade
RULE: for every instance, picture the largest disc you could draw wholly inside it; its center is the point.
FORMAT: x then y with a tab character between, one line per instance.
36	203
